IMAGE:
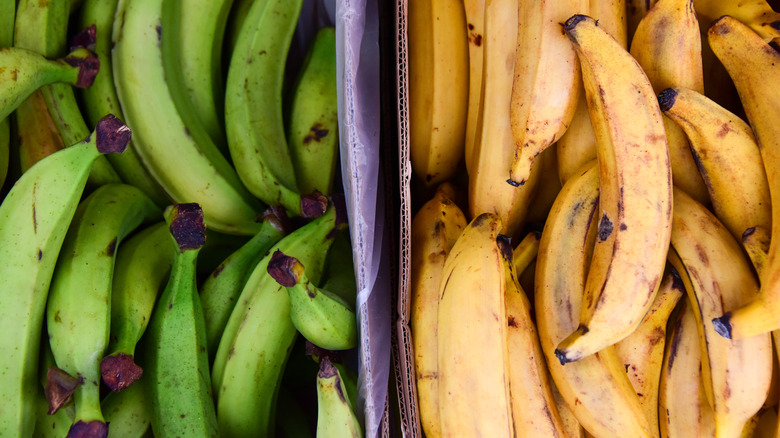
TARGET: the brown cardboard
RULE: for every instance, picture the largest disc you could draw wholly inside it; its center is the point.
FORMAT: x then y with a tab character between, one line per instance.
403	357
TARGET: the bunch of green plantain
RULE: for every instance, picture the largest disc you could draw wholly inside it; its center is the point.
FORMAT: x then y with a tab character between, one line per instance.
596	244
171	219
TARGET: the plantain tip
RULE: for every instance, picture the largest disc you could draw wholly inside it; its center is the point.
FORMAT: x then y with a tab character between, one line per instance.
561	357
86	38
281	268
59	388
313	205
666	99
119	371
88	429
572	23
187	226
113	135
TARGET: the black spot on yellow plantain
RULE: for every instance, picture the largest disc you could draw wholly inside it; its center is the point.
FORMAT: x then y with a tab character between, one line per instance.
675	343
316	133
511	321
658	335
605	228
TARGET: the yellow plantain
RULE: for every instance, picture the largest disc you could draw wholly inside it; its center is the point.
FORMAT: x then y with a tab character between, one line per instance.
475	25
667	44
755	68
598	383
728	158
758	14
682	405
642	352
534	411
635	184
577	146
435	228
473	365
718	278
546	82
494	147
438	88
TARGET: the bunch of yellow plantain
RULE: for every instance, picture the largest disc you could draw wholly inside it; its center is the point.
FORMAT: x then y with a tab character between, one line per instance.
633	150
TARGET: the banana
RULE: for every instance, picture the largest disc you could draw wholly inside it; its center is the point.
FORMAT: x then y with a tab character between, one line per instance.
635	186
259	333
728	158
475	28
37	135
488	191
127	412
335	417
598	383
142	268
473	364
222	287
546	82
186	170
192	53
682	405
23	71
642	352
178	383
322	317
534	410
42	27
438	88
78	312
100	98
667	45
435	228
718	278
758	14
313	126
577	146
253	103
34	218
755	66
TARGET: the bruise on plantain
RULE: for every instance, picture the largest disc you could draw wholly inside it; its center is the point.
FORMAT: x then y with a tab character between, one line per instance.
59	388
317	132
119	371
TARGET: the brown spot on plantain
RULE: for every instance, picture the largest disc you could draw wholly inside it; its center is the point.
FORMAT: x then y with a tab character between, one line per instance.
724	129
658	335
512	322
316	133
111	248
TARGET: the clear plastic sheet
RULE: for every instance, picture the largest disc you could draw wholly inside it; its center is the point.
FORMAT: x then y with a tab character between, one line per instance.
357	42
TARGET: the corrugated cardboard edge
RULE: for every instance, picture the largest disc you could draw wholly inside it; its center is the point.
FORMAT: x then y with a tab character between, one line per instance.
403	355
